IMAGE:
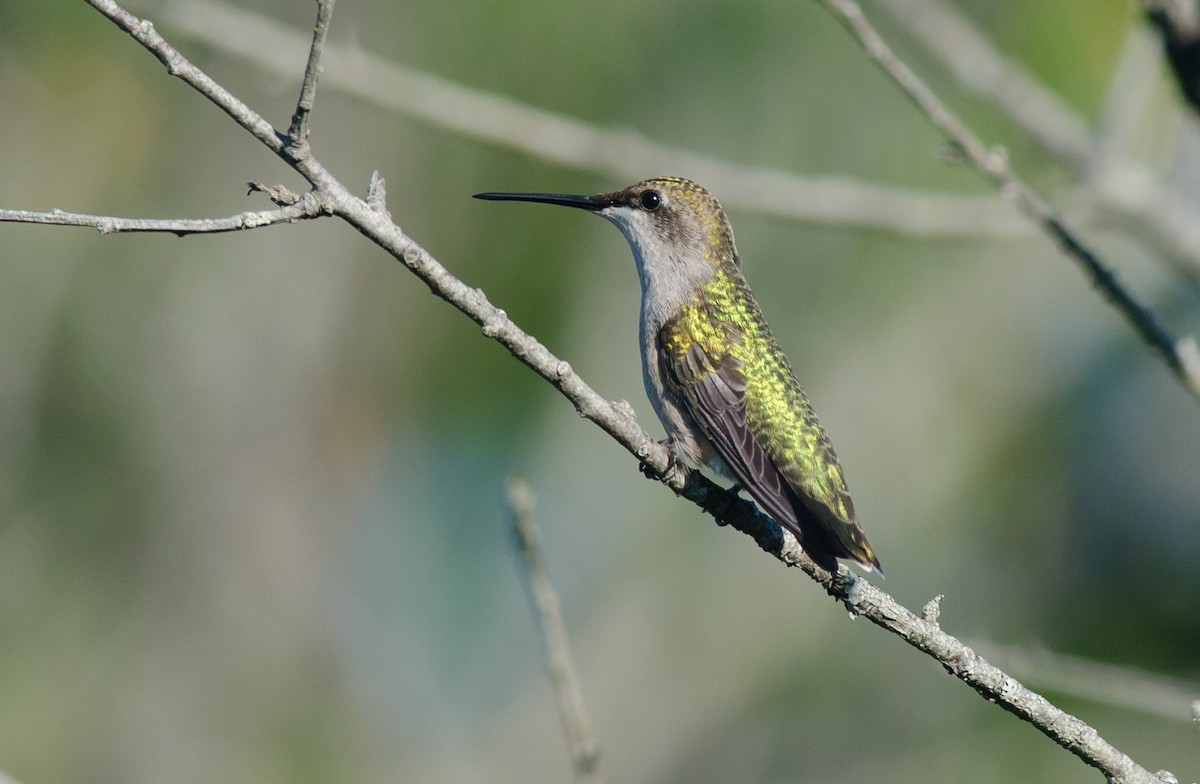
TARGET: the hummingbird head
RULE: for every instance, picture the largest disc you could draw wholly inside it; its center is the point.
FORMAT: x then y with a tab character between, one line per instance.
677	230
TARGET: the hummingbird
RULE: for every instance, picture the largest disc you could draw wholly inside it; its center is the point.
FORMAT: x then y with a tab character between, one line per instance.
715	374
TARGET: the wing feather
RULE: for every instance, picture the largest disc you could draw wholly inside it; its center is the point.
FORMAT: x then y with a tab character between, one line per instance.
713	387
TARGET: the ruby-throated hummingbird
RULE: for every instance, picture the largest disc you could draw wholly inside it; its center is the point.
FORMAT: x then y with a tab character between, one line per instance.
715	374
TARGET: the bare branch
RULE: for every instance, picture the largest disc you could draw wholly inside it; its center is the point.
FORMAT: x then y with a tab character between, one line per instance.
307	208
547	609
298	132
993	164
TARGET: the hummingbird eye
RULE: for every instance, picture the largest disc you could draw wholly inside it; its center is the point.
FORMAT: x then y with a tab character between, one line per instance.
650	200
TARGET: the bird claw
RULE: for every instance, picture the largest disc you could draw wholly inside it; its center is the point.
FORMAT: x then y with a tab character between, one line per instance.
672	464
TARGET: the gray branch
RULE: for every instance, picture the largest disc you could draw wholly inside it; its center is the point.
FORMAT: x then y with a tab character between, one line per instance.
370	218
298	132
308	207
547	610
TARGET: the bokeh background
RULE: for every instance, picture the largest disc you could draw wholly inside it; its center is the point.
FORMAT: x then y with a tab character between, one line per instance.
252	524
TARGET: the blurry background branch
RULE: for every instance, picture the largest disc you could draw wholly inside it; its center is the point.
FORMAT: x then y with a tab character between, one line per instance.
1125	687
547	611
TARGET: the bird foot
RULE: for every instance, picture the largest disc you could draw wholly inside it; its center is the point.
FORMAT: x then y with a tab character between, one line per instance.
672	463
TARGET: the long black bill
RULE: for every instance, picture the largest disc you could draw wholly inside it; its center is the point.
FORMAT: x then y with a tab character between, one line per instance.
590	203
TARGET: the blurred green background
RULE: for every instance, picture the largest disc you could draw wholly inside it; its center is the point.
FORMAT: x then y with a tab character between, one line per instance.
251	486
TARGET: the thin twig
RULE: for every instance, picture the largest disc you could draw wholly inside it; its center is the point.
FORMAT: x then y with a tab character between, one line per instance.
298	132
858	596
308	207
1180	355
547	610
